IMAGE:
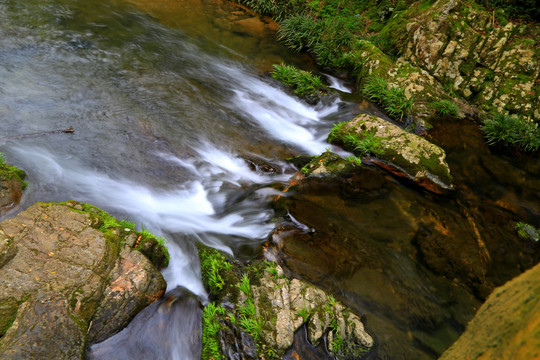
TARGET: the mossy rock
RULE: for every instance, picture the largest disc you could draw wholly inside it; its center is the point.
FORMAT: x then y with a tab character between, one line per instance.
328	164
255	310
398	151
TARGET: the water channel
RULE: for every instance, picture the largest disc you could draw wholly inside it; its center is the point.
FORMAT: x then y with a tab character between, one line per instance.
176	125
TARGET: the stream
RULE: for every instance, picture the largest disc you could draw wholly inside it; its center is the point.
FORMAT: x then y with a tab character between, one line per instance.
178	127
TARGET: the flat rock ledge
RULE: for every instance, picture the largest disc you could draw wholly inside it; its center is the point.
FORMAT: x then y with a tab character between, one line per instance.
396	150
70	276
256	310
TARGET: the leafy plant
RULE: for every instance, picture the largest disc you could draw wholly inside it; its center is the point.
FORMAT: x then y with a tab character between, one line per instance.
446	108
127	224
369	144
244	285
213	264
337	340
355	160
252	326
304	313
272	269
512	130
392	98
211	327
335	133
248	308
302	82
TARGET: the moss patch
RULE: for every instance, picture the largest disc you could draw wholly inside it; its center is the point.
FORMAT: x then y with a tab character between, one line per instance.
116	231
8	312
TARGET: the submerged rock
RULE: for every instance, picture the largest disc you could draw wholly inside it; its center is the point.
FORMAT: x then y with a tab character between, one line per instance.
506	326
395	150
256	310
70	275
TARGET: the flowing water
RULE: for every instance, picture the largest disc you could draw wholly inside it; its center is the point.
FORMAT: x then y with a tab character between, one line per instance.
177	127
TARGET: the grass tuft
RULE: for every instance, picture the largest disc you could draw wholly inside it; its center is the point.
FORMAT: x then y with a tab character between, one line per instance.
446	108
512	130
391	98
302	82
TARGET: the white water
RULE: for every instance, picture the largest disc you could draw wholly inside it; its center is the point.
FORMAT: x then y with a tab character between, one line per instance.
337	84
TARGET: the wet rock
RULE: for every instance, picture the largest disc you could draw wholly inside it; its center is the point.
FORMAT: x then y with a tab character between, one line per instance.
507	324
398	151
69	270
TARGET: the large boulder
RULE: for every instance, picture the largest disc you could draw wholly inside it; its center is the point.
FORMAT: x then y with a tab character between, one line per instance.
507	326
396	150
70	275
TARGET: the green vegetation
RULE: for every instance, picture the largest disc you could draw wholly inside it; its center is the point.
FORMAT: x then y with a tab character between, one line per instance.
365	144
211	327
304	314
335	133
8	172
446	108
391	98
337	340
303	83
362	144
527	232
327	36
355	160
224	278
213	269
512	130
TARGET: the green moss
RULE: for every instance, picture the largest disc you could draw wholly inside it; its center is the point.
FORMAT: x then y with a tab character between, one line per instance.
219	273
228	281
434	166
8	312
9	172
